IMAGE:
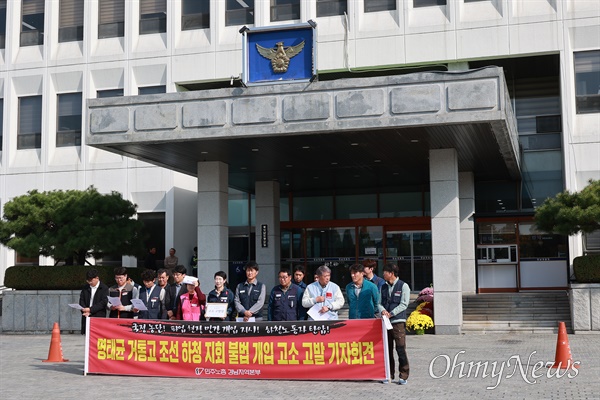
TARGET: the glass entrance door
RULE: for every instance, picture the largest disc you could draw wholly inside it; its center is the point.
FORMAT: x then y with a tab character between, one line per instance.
411	251
334	247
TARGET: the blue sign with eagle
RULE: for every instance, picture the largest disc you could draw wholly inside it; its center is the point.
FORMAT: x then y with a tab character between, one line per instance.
279	54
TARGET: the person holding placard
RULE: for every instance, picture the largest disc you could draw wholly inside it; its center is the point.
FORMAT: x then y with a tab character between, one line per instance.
221	294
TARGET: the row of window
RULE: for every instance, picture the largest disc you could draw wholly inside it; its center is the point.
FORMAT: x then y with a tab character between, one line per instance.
153	15
68	121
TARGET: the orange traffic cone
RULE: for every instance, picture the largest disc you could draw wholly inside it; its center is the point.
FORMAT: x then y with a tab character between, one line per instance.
563	358
55	353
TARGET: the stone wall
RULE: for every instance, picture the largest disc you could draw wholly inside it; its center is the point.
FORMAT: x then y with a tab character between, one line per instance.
36	311
585	307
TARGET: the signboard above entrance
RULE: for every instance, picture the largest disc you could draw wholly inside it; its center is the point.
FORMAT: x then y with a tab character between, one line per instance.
279	54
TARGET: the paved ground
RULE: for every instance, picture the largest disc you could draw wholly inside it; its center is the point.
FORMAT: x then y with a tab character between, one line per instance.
24	375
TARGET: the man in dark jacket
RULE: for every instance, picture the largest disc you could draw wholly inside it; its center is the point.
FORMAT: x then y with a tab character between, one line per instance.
174	291
285	302
93	298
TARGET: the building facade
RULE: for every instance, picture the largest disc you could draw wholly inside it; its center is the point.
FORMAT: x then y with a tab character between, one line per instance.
430	134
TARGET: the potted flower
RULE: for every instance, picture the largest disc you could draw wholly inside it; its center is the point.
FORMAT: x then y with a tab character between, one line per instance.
422	318
418	322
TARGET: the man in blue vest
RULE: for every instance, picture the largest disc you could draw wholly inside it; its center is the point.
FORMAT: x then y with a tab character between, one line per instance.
370	266
395	296
150	294
363	296
250	295
285	300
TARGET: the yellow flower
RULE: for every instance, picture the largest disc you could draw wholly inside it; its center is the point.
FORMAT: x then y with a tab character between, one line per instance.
416	320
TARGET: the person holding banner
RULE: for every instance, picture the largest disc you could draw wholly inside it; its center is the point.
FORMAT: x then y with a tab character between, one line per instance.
191	304
363	295
250	295
395	296
323	293
221	294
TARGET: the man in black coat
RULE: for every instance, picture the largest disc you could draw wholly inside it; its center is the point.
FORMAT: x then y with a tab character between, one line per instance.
93	298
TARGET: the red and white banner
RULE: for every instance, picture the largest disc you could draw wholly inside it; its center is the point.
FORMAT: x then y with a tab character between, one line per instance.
324	350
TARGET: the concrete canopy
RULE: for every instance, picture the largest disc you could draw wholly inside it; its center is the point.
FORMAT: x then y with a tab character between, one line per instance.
350	134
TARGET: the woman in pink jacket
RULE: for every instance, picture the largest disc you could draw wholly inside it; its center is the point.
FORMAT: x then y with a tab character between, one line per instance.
190	306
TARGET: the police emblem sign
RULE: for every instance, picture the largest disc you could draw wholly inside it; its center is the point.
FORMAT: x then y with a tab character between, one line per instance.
279	54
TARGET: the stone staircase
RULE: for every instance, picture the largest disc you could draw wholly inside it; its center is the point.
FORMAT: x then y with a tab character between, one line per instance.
537	312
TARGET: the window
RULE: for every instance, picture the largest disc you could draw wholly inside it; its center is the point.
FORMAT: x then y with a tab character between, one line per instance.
68	123
111	18
195	15
32	23
29	131
587	82
428	3
328	8
70	21
2	23
379	5
22	260
153	16
1	121
284	10
239	12
152	90
102	94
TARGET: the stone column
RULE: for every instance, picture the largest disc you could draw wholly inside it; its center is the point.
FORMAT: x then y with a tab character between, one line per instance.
213	224
466	190
268	254
445	235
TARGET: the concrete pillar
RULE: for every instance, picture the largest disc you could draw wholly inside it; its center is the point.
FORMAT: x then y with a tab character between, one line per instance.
268	254
466	195
213	223
445	235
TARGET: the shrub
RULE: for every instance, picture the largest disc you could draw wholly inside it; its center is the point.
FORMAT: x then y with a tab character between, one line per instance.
587	268
67	277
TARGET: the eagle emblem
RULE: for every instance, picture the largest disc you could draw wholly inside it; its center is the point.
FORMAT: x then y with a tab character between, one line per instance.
280	56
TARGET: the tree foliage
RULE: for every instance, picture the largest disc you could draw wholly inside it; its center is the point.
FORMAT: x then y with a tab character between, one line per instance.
70	224
570	213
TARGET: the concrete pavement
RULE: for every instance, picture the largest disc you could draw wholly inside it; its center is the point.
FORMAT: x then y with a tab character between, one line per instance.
435	362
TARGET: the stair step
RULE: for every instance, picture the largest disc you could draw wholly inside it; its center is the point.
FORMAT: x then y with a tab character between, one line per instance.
515	312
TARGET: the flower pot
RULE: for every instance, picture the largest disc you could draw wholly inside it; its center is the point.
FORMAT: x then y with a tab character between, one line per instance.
420	331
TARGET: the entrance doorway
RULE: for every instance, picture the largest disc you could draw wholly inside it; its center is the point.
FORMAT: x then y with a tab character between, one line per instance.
339	247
